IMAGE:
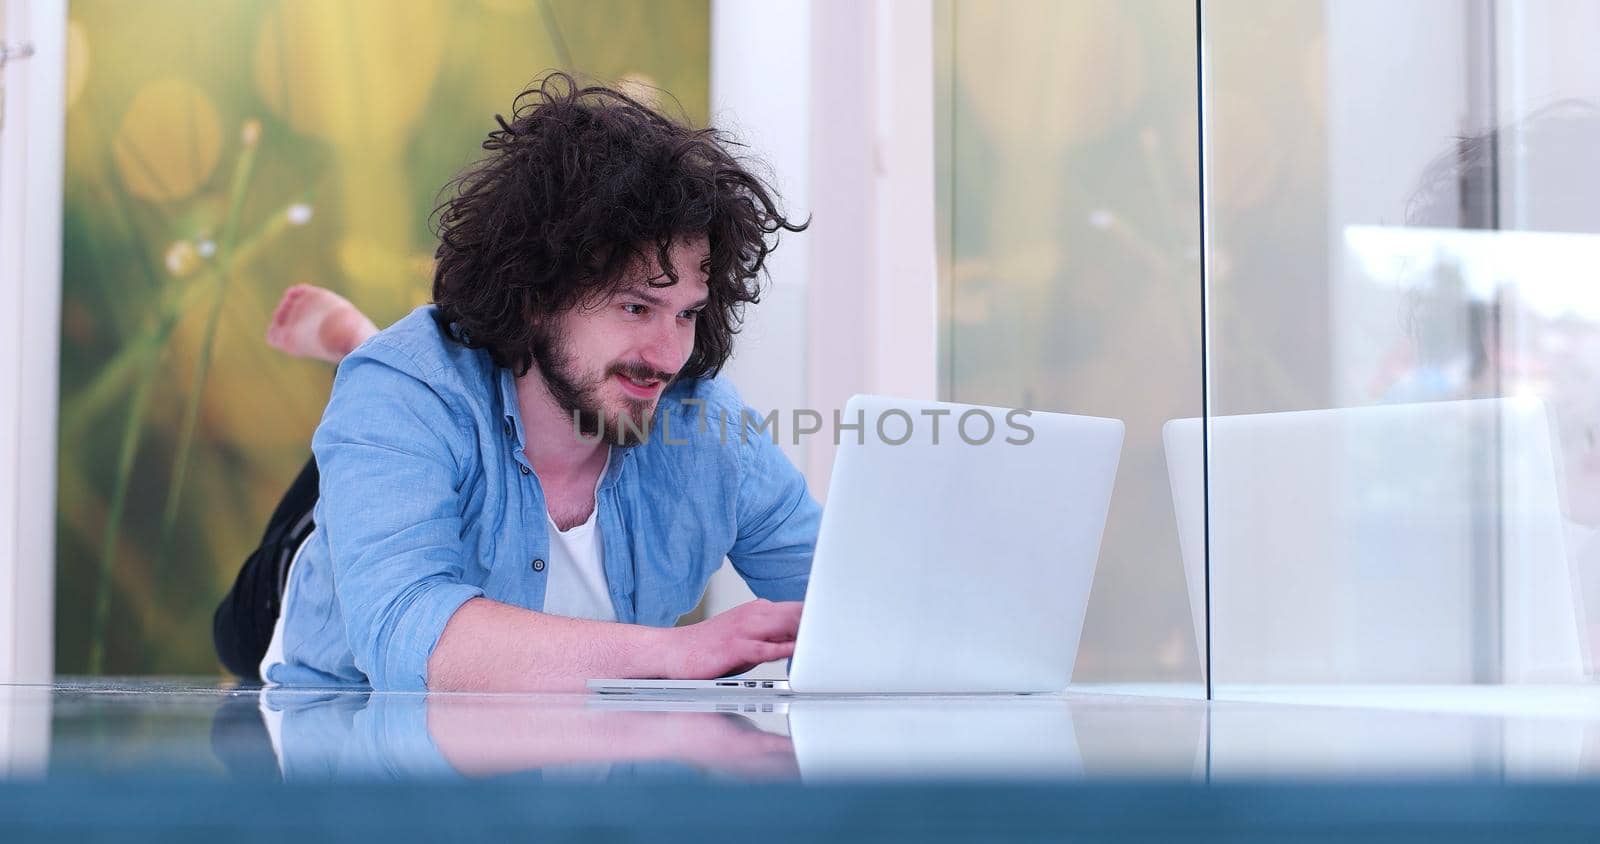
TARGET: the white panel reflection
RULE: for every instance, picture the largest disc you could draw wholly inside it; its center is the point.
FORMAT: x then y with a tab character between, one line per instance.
1427	314
1256	742
1414	543
24	732
1540	268
1010	738
1315	742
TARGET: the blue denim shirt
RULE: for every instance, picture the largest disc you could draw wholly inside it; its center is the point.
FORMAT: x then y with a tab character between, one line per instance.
428	501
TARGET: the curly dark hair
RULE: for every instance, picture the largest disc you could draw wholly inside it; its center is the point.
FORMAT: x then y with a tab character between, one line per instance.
1461	188
582	185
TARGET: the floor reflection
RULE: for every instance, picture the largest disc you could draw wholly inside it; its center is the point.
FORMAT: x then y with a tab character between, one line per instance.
134	729
346	736
341	736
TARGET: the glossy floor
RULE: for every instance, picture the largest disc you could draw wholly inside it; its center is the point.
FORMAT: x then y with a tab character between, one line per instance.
110	728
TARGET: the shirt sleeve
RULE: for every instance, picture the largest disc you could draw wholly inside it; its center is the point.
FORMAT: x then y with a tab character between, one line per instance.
387	450
777	519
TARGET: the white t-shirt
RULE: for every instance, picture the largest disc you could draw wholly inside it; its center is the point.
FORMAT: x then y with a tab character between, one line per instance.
274	655
577	584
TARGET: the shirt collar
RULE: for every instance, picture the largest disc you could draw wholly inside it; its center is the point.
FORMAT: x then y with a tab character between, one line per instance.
513	411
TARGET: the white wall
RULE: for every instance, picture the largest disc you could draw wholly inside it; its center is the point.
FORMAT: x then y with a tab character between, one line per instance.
1381	136
1545	54
837	96
31	147
874	291
760	94
1381	139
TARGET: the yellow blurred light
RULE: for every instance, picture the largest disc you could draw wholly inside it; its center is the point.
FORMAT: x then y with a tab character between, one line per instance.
181	258
77	61
169	141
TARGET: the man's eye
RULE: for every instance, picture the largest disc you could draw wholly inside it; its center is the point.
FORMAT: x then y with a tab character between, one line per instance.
690	314
634	309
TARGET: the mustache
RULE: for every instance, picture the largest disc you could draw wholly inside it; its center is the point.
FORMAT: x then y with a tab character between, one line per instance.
639	371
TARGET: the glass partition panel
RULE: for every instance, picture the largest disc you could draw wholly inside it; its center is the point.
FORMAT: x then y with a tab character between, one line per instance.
1069	209
1403	206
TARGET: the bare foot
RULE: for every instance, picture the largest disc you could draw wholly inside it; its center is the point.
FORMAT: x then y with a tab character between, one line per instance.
311	322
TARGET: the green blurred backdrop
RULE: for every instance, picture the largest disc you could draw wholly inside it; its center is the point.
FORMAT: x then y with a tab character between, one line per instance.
218	152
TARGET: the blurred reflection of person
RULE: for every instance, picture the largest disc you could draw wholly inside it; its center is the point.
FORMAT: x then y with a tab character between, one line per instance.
309	736
526	483
1464	346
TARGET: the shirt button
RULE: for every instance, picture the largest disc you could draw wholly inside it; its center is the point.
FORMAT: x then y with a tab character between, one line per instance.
526	470
508	427
538	565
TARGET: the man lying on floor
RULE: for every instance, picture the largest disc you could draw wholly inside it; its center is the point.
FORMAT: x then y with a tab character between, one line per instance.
525	484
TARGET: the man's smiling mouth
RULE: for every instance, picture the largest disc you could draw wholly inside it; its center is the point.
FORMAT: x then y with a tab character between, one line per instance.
638	387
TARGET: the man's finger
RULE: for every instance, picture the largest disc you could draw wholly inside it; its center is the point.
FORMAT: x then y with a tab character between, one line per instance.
768	651
774	627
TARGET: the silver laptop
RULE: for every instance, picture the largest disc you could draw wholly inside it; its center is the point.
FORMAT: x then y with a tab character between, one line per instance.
955	559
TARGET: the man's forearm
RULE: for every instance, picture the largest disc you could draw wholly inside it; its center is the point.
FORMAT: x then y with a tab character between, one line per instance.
490	646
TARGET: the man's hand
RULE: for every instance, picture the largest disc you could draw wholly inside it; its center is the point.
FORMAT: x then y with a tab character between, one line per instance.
737	640
488	646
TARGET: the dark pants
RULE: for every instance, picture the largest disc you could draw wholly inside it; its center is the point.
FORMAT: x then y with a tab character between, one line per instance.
242	626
